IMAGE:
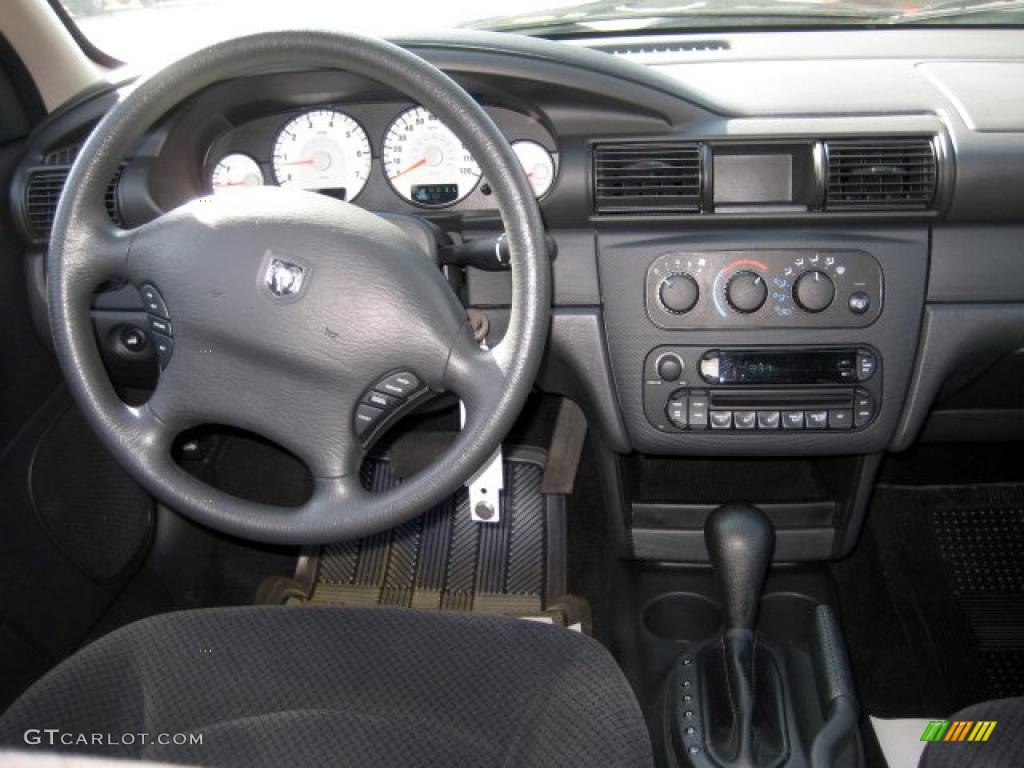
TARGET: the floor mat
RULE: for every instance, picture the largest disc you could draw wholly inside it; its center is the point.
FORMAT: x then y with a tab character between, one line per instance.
443	560
952	560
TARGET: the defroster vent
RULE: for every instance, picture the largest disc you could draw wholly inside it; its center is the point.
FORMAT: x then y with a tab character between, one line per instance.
880	174
647	178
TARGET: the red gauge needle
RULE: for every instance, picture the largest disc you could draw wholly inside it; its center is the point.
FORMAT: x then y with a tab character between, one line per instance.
299	162
410	169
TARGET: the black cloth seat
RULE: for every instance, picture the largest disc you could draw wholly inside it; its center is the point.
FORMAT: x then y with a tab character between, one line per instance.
274	686
1004	748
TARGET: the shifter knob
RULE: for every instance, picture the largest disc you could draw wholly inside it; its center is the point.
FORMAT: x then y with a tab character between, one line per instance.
740	540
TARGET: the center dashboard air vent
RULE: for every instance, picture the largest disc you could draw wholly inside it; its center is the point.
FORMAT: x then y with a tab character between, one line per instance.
880	174
45	184
647	178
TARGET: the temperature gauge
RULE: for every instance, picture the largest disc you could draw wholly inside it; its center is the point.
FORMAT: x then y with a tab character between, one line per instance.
235	171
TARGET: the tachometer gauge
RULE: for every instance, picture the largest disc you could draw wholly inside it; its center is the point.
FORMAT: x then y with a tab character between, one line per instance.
425	162
235	171
324	151
538	164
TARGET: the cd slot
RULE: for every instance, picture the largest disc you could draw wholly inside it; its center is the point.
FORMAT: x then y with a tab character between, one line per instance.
782	399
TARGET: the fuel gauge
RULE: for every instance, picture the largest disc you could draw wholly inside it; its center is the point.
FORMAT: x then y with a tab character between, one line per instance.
538	164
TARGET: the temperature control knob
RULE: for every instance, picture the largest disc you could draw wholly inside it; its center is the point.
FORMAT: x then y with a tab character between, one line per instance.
746	291
678	293
814	291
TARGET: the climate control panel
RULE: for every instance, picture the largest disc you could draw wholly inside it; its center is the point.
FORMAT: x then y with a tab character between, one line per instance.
807	288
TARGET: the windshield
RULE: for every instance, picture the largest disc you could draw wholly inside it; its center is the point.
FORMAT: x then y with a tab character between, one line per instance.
138	31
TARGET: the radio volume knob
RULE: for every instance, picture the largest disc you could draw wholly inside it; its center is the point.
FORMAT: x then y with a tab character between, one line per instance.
814	291
746	292
678	293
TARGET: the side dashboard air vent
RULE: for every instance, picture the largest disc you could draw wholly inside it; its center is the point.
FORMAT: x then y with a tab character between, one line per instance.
42	193
880	174
647	178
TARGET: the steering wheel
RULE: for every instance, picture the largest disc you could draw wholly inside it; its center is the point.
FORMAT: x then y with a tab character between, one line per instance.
287	307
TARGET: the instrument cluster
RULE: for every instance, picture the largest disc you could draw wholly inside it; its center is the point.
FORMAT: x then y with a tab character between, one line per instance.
328	150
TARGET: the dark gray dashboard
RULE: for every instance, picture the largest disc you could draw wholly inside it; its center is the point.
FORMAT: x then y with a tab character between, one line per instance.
762	94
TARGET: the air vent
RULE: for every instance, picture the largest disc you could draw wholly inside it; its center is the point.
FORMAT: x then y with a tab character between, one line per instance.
43	191
880	174
647	178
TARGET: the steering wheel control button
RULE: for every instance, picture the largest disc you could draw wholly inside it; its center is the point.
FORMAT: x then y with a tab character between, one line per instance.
814	291
859	303
746	292
367	418
792	419
768	419
670	368
866	364
155	304
164	348
159	325
678	293
863	408
133	339
399	385
380	400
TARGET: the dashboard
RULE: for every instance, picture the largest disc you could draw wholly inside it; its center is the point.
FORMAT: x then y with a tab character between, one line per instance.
747	199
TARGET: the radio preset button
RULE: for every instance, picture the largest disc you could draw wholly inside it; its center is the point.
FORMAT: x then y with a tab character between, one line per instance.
767	419
721	419
840	419
744	419
792	419
816	419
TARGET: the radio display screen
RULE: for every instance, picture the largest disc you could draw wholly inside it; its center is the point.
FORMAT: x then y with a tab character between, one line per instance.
818	367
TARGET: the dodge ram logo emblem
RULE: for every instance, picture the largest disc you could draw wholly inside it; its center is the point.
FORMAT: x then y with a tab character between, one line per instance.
284	278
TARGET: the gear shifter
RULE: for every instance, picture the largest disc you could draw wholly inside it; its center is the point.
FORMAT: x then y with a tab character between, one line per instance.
740	540
741	697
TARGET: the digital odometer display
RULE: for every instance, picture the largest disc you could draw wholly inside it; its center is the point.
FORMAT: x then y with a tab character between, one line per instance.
425	162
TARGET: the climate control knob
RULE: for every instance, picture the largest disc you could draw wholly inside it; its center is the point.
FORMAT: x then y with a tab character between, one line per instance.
814	291
746	292
678	293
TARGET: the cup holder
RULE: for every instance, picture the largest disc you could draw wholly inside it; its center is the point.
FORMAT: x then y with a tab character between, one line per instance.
682	617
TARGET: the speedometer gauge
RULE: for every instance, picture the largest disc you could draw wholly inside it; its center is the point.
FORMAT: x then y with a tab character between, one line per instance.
324	151
235	171
425	162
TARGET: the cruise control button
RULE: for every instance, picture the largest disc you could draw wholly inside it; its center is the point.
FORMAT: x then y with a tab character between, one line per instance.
134	339
744	419
865	365
367	417
380	400
816	419
721	419
767	419
792	419
400	384
840	419
698	412
164	348
159	325
154	301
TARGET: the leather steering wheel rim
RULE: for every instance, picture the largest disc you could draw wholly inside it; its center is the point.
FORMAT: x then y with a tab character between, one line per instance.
87	251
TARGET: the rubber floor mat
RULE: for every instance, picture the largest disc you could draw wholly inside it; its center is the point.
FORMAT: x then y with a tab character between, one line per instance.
443	560
956	556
